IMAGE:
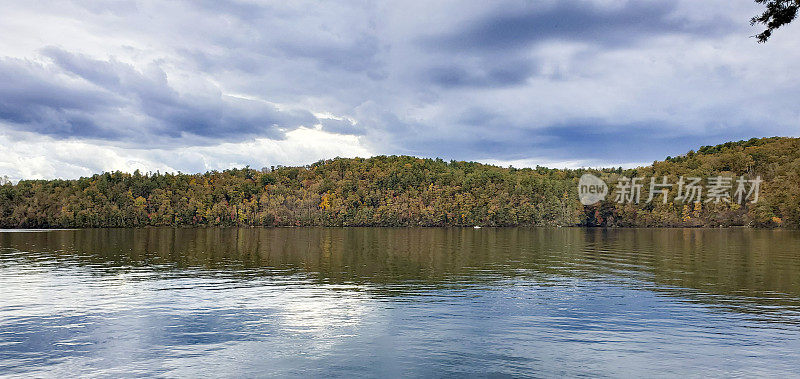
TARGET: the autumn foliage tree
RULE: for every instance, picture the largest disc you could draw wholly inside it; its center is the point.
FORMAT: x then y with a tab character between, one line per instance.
405	191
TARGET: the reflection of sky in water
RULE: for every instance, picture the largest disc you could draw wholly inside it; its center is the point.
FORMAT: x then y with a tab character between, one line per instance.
113	323
59	318
66	324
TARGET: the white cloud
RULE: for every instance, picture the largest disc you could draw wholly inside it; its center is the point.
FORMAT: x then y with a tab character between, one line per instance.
29	156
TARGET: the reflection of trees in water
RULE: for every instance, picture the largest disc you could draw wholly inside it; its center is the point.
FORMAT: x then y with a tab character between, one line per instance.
734	269
724	267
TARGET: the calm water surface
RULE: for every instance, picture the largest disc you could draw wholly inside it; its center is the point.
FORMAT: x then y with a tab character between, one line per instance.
400	302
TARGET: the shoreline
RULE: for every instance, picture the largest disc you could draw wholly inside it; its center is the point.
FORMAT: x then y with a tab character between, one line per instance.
44	229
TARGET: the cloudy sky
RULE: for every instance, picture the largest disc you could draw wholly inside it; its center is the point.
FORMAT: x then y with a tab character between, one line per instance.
90	86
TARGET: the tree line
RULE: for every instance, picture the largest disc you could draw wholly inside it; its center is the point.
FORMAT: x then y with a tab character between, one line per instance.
405	191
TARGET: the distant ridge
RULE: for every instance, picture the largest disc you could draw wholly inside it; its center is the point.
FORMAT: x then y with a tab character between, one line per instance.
408	191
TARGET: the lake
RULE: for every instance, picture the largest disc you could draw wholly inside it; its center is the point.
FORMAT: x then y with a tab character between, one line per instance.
400	302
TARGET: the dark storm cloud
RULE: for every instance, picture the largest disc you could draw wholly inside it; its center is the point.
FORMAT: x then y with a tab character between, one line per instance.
571	20
205	114
35	98
92	97
487	74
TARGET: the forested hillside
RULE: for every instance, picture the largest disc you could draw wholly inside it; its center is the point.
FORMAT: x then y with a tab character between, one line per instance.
407	191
